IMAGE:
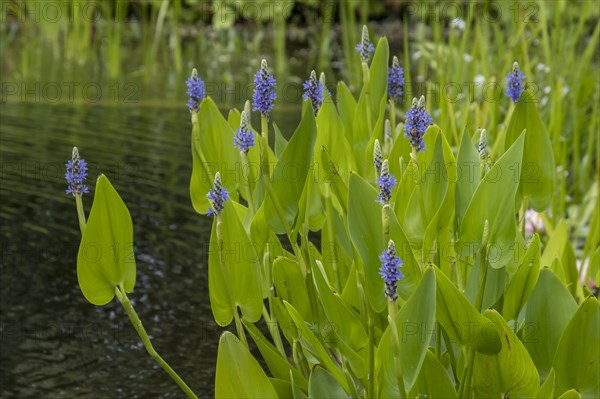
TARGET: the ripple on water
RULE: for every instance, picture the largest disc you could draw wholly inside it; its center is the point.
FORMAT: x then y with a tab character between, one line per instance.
54	343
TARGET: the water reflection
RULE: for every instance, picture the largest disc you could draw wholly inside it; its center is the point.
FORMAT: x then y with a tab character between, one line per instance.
54	343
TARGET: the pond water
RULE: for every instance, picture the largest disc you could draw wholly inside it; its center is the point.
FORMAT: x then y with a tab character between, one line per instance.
53	342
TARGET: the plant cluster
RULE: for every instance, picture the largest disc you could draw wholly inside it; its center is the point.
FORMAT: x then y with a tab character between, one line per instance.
382	261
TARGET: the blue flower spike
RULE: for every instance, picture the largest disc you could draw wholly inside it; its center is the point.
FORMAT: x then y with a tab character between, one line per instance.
417	121
365	47
264	93
313	90
386	182
395	80
390	270
514	83
195	90
76	174
217	196
244	138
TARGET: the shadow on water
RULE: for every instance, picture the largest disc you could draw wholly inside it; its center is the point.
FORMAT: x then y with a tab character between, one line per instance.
53	342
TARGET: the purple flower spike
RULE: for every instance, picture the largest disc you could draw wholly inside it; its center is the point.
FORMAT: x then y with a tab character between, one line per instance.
417	121
313	90
390	270
365	47
195	90
395	80
76	174
264	93
217	196
514	83
244	138
386	182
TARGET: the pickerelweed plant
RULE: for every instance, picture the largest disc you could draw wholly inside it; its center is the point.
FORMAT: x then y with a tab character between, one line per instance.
400	270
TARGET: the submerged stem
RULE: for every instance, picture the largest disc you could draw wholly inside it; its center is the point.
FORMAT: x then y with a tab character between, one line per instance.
139	328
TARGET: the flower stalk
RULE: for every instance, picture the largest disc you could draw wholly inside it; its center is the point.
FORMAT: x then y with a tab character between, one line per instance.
465	384
80	213
272	321
139	328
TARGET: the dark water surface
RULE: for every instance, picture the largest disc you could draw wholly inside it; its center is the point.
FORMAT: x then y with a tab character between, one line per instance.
54	344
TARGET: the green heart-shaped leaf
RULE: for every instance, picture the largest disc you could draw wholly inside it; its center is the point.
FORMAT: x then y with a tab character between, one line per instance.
105	259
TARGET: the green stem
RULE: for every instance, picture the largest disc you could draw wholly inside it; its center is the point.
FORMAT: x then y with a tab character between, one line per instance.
246	179
264	125
331	237
393	117
524	207
483	167
286	225
484	267
465	386
450	353
299	359
395	348
139	328
80	213
371	332
413	155
236	316
272	322
385	222
366	79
